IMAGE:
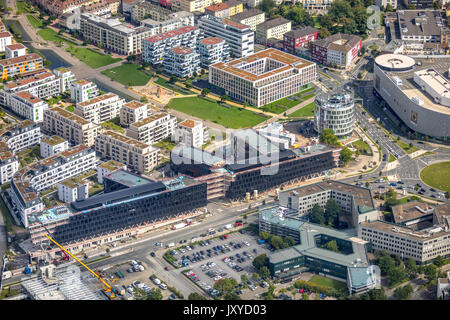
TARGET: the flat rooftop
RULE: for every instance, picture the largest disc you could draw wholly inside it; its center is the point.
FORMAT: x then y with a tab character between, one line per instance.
54	140
127	178
111	165
421	22
73	182
148	120
70	116
246	14
410	211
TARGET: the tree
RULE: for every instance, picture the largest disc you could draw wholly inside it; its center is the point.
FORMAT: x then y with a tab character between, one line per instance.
439	261
205	91
255	276
327	136
332	245
345	156
324	33
155	294
172	79
430	272
264	235
317	215
403	293
223	97
385	263
447	195
244	278
276	242
225	285
196	296
289	241
264	272
231	296
144	99
389	8
305	296
436	5
331	212
260	261
367	184
396	275
326	21
267	5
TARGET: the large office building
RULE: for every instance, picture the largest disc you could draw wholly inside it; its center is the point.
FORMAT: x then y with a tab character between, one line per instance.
263	77
420	231
22	65
251	18
339	49
272	29
417	92
335	111
113	34
239	37
349	264
28	182
153	129
420	26
100	109
70	126
135	155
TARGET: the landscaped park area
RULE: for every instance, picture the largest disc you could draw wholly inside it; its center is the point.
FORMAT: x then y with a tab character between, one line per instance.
437	175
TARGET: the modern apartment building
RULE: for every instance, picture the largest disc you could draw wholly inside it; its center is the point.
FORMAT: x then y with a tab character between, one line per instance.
239	37
182	62
272	29
113	34
70	126
135	155
28	106
107	167
15	50
9	163
53	145
195	5
339	49
174	21
28	182
299	38
5	40
263	77
152	129
212	50
133	111
73	189
22	65
251	18
100	109
83	90
190	133
156	47
21	136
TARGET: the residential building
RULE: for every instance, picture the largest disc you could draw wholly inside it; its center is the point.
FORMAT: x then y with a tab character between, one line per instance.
28	106
133	111
316	6
225	9
417	92
113	34
190	133
15	50
5	40
59	7
251	18
263	77
384	3
2	27
299	38
420	231
195	5
22	135
239	37
82	90
212	50
9	163
174	21
107	167
253	3
100	109
28	182
420	4
73	189
135	155
66	78
234	7
443	288
53	145
153	129
22	65
147	10
70	126
274	28
127	5
339	49
182	62
335	111
156	47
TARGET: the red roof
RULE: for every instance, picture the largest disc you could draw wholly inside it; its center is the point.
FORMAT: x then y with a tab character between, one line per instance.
235	24
16	46
182	50
211	40
5	34
217	7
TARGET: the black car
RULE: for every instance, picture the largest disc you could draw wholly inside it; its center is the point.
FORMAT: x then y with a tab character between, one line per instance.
432	190
152	254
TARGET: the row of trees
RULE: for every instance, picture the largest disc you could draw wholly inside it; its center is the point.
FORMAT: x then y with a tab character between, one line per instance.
226	287
328	216
276	241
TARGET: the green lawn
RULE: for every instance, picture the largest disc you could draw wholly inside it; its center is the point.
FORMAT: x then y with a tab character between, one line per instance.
328	282
437	175
128	74
163	82
70	108
406	147
306	111
165	144
392	158
284	104
34	22
317	24
229	117
91	58
22	7
363	147
113	124
51	35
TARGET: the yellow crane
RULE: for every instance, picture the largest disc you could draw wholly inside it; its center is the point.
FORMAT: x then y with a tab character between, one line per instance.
107	287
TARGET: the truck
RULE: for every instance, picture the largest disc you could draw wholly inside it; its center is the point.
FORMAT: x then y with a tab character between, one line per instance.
27	270
119	274
229	226
170	245
179	226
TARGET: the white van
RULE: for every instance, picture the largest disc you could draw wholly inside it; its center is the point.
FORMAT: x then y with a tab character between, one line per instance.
163	286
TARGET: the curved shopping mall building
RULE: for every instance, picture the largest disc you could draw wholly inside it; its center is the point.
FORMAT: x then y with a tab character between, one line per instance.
417	91
335	111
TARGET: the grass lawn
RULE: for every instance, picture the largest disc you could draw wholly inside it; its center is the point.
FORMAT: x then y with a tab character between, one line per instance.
229	117
91	58
363	147
406	147
51	35
113	124
36	23
22	7
306	111
128	74
328	282
284	104
163	82
70	108
317	24
437	175
392	158
165	144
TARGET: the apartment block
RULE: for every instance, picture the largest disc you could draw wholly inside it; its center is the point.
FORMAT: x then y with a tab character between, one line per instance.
239	37
299	38
70	126
339	49
100	109
174	21
135	155
153	129
251	18
107	167
133	111
190	133
272	29
22	135
53	145
9	163
316	6
113	34
15	50
195	5
5	40
83	90
155	48
28	106
148	10
219	10
22	65
73	189
212	50
28	182
59	7
263	77
182	62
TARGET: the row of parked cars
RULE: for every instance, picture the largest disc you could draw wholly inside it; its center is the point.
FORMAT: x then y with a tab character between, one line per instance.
135	267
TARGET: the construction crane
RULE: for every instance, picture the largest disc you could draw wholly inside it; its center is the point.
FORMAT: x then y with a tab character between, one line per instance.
107	286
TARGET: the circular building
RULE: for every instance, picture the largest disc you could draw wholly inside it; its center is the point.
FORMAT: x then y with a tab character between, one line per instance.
335	111
395	62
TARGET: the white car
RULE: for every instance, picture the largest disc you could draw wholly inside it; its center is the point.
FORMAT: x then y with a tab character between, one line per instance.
182	250
217	278
163	286
156	281
212	264
246	243
189	248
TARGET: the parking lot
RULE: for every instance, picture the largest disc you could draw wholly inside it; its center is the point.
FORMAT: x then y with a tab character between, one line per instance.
218	258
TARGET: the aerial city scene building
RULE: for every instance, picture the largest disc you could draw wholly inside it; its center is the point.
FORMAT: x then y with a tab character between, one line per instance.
225	150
